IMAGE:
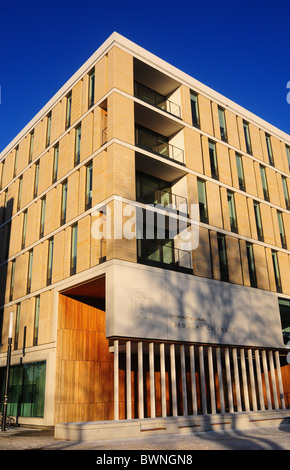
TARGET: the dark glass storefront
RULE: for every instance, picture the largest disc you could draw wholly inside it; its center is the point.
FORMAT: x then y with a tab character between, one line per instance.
26	389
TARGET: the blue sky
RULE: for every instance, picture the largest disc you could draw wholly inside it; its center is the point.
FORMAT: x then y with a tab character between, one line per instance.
240	49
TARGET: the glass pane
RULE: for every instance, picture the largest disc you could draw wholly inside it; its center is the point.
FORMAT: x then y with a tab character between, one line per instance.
194	109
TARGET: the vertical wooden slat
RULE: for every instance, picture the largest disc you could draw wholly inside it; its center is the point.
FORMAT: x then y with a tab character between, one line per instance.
229	380
266	377
259	379
252	379
202	380
140	380
173	379
152	380
116	379
193	380
163	382
237	380
128	380
273	378
245	380
211	380
183	378
280	382
220	379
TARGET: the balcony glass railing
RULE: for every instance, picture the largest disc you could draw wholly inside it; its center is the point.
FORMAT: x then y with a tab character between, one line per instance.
156	145
155	253
156	99
148	194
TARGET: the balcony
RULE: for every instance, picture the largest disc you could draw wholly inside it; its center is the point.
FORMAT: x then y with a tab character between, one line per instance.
164	255
158	144
151	190
156	99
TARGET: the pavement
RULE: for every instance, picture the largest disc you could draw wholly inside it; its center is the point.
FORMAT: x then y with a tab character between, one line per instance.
258	438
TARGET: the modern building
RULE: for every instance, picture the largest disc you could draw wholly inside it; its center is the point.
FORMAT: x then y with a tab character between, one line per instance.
145	254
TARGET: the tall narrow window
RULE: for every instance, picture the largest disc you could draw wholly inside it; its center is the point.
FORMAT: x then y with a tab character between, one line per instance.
48	129
77	145
232	211
269	149
281	229
63	203
276	271
42	217
55	163
49	261
223	262
68	110
202	201
240	171
213	160
194	109
258	221
12	280
89	185
286	193
15	162
264	183
36	179
74	245
288	155
19	192
91	88
251	264
29	274
247	137
24	227
17	325
30	155
2	173
222	121
36	320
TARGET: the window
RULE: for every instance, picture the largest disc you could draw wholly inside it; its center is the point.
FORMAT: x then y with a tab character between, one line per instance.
91	88
232	211
36	179
286	193
68	110
63	203
24	227
48	129
202	201
2	173
19	192
49	261
194	109
74	245
15	162
31	147
284	307
42	217
288	155
77	145
251	264
281	229
276	271
223	263
213	160
247	137
269	149
17	325
264	183
89	185
36	320
29	275
240	171
12	280
258	221
26	390
55	163
222	121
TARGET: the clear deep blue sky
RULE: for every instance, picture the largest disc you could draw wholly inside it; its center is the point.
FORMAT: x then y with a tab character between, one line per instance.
239	48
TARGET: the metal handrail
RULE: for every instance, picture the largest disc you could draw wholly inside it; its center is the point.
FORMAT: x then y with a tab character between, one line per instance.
174	200
176	257
159	147
157	100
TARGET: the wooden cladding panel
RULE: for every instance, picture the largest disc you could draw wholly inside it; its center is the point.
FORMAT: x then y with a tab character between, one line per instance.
85	367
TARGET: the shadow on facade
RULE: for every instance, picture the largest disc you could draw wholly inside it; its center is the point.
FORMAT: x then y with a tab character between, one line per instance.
5	233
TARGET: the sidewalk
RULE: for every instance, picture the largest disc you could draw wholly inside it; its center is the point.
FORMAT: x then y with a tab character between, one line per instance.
260	438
